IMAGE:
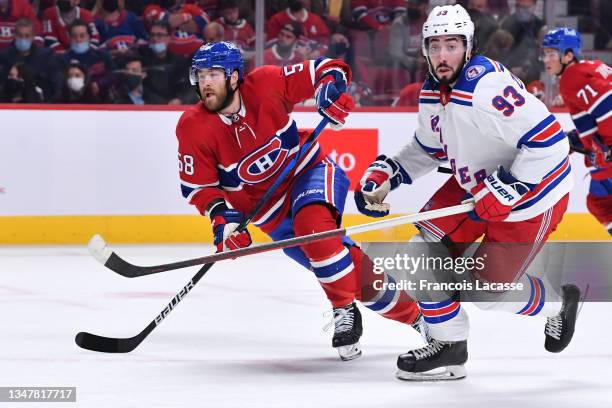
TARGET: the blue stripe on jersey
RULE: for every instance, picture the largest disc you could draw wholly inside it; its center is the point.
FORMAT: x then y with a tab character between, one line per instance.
478	62
428	150
186	190
545	190
531	295
423	100
535	130
549	142
460	102
603	106
585	123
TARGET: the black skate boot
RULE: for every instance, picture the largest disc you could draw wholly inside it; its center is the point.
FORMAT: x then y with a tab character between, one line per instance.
560	328
347	331
438	360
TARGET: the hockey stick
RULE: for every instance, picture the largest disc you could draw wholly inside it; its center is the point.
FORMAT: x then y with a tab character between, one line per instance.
94	342
133	271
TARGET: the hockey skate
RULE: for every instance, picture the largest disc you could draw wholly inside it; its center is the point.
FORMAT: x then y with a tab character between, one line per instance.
347	331
435	362
559	329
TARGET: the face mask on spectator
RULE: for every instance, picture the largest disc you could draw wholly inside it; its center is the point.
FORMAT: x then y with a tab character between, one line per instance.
64	5
14	86
131	81
80	47
158	48
338	48
76	84
23	44
110	5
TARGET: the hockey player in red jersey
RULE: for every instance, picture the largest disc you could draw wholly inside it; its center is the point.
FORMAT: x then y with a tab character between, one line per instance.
509	153
236	140
587	92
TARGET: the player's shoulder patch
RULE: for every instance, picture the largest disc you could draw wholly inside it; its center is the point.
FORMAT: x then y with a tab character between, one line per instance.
476	69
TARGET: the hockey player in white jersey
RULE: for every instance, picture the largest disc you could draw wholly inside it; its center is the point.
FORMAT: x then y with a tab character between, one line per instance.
510	154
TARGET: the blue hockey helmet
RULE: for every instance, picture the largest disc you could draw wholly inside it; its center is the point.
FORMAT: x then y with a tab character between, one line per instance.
563	39
224	55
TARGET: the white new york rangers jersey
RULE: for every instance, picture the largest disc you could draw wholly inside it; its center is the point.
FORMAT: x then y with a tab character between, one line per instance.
489	120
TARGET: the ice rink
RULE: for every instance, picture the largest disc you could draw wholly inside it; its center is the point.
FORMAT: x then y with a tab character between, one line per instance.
250	335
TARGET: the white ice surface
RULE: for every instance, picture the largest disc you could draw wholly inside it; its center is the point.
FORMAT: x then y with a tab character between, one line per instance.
249	335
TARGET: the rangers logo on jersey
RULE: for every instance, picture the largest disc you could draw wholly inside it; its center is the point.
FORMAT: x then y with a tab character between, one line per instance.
474	72
263	162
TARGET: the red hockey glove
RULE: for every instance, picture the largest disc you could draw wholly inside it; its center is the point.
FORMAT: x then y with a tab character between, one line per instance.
598	153
332	100
224	223
497	194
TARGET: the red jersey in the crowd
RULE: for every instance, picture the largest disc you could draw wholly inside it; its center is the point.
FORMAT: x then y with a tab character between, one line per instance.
587	93
184	43
55	30
17	9
238	159
313	26
383	11
241	33
272	57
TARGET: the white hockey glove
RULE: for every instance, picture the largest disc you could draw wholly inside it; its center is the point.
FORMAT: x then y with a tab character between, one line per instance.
384	175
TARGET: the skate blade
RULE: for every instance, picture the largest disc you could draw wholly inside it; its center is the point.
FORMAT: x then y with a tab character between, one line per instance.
449	373
349	352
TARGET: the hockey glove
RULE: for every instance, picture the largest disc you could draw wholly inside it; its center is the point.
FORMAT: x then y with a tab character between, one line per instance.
599	154
497	194
332	100
575	143
224	223
384	175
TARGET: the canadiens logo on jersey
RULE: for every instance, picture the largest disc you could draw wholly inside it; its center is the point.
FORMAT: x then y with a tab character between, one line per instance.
263	162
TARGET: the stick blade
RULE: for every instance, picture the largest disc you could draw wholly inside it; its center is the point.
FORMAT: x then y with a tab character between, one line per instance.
98	248
93	342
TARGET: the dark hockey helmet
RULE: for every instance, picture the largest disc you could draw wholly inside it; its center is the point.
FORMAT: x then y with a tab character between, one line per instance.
224	55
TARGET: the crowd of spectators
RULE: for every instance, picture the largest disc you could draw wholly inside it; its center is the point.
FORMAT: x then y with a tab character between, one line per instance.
138	51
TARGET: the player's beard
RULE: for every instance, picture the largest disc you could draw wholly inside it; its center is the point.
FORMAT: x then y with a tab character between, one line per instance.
222	99
448	80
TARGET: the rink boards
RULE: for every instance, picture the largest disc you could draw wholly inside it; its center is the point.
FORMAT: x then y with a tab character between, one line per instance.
68	173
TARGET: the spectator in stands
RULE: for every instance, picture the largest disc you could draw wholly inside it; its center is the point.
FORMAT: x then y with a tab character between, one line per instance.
405	46
98	62
409	95
237	29
166	71
77	86
497	9
340	48
40	61
20	86
10	12
313	27
285	50
132	90
498	46
524	26
120	30
375	14
56	21
484	24
213	32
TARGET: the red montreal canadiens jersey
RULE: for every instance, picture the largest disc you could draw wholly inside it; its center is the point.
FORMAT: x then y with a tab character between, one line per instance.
313	26
239	159
16	9
587	92
55	30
